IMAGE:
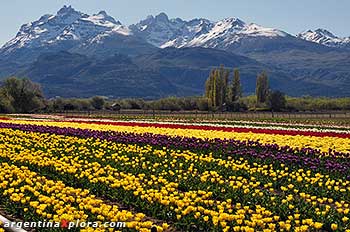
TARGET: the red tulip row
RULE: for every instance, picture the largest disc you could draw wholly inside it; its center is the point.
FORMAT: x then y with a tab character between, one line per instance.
220	128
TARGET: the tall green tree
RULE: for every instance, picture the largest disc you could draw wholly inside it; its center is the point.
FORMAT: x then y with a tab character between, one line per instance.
235	91
262	88
216	88
24	95
209	88
224	89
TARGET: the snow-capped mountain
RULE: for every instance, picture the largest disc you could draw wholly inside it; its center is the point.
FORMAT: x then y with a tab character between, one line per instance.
325	37
164	32
233	30
101	34
92	27
44	31
68	29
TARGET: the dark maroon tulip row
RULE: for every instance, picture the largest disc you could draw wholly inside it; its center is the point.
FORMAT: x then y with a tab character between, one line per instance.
221	128
305	157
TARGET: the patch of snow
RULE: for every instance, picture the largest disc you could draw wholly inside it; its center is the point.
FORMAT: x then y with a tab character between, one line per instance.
257	30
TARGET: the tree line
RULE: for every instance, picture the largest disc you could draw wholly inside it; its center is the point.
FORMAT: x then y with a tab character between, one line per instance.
24	96
223	92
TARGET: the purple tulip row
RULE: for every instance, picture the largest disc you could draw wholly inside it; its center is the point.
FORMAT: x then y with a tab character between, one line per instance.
306	157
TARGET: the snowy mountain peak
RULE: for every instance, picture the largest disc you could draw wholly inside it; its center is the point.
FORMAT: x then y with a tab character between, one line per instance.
162	17
65	16
158	29
68	26
227	25
232	21
324	37
325	33
229	31
162	32
67	10
257	30
102	15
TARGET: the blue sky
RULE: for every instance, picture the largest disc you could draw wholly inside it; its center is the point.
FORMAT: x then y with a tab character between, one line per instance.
292	16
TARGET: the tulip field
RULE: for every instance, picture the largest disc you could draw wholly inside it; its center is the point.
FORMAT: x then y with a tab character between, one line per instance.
164	176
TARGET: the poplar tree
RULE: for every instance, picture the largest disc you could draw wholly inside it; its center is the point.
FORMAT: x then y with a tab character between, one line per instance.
262	87
236	88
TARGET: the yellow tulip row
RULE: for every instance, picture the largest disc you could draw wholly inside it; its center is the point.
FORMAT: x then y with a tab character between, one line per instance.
185	202
55	201
324	144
